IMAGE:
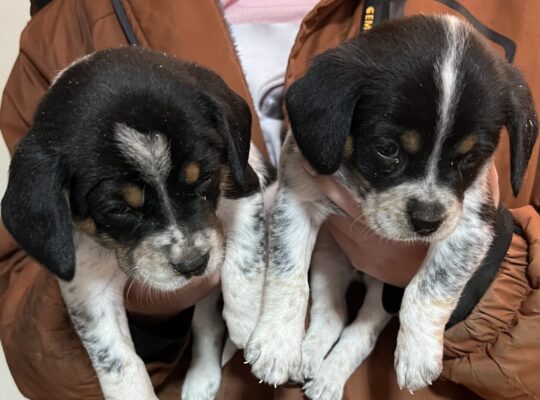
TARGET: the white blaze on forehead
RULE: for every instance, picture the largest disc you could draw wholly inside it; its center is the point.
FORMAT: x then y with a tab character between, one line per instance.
448	79
448	70
148	153
151	156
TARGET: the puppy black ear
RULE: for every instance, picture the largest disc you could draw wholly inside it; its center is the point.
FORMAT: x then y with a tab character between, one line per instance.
522	124
34	209
320	106
233	121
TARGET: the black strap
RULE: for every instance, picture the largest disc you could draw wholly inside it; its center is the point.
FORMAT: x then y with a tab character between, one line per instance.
485	274
376	11
481	280
124	23
505	42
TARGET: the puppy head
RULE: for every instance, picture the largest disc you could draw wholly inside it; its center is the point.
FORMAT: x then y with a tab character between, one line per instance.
130	147
412	110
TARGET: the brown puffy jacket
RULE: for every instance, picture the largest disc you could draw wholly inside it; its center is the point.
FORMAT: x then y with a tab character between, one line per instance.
494	353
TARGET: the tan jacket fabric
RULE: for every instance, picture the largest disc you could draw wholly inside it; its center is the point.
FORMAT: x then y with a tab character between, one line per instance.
494	353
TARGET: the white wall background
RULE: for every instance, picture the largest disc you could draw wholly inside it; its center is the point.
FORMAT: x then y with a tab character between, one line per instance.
13	16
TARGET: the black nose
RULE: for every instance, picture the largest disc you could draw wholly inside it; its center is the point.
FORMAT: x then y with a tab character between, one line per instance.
191	265
425	217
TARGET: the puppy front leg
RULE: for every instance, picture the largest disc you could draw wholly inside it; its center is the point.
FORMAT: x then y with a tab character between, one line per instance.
330	275
242	273
433	293
275	347
204	374
354	346
95	302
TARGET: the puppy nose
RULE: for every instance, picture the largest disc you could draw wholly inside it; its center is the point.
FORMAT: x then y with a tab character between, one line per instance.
425	217
191	265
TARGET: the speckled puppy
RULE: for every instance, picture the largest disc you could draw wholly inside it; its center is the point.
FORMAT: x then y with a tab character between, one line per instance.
407	117
136	165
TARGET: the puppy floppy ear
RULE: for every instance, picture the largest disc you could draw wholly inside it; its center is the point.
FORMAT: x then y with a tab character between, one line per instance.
232	118
34	209
522	124
320	106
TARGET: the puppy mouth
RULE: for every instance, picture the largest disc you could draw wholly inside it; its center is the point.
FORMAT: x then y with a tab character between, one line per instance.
165	277
412	212
197	272
401	230
430	235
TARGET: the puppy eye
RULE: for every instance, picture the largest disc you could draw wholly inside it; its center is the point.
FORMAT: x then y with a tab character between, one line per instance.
470	158
205	178
387	148
119	209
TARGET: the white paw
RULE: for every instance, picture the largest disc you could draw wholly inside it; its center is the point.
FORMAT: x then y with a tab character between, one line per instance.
201	383
417	359
325	386
274	354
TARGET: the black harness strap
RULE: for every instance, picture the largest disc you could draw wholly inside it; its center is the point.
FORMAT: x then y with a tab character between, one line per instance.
376	11
124	23
505	42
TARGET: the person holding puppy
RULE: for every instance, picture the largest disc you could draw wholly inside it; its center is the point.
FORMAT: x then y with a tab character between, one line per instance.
32	316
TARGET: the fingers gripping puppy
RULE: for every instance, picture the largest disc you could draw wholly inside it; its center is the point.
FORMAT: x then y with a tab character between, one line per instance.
136	165
407	117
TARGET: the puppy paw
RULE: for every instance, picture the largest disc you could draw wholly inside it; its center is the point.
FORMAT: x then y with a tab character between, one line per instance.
274	354
417	359
201	383
324	386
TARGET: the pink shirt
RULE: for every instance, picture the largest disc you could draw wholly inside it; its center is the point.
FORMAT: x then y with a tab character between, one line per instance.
266	11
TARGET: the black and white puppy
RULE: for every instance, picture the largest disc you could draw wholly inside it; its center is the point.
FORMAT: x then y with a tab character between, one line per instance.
407	117
136	166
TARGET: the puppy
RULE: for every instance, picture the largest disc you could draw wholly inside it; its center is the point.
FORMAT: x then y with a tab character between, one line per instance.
136	166
407	117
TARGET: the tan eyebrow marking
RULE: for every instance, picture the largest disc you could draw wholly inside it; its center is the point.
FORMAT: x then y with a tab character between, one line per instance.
410	140
467	144
192	172
224	177
133	196
87	226
348	149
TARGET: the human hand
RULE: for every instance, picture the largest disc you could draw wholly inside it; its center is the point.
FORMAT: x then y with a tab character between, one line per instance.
392	262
